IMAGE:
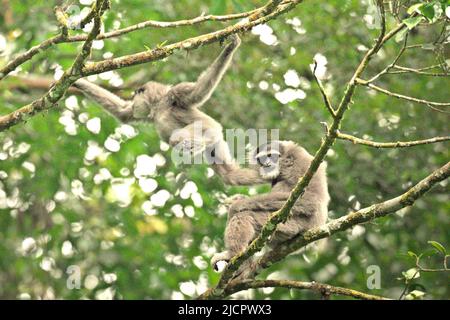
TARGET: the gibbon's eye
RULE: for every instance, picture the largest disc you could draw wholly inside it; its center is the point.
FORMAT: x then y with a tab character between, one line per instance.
264	161
259	161
140	90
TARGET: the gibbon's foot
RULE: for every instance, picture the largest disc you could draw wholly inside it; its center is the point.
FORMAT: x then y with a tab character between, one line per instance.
220	260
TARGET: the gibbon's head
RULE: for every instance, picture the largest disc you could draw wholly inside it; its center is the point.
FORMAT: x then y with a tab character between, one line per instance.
148	98
266	157
274	158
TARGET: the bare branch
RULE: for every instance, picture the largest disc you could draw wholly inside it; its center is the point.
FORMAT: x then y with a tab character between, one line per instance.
24	57
390	66
11	66
188	44
401	96
417	71
397	144
323	289
282	215
24	113
325	97
361	216
58	90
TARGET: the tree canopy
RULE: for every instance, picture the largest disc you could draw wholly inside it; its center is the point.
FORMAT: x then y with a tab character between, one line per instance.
92	208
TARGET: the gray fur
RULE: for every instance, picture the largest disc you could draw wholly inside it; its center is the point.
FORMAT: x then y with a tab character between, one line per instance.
174	111
246	216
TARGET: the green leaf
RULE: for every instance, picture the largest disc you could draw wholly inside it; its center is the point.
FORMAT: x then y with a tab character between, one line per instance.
415	295
412	254
428	11
412	273
439	247
414	8
412	22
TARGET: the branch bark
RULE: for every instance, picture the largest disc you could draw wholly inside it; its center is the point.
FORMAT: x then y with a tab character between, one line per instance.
346	222
58	90
24	113
401	96
361	216
282	215
322	289
397	144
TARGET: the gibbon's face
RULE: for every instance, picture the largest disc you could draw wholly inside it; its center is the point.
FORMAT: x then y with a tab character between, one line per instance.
148	98
267	159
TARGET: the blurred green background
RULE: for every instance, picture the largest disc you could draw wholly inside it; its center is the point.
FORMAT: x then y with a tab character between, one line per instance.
70	194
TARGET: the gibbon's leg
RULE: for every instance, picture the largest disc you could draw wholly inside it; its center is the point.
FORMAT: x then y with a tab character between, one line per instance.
119	108
241	229
210	78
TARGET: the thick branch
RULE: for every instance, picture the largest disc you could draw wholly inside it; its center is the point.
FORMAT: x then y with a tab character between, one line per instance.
282	215
323	289
188	44
58	90
22	58
397	144
361	216
26	112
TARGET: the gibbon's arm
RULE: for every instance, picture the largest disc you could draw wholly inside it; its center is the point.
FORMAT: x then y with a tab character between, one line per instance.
210	78
118	107
271	201
234	175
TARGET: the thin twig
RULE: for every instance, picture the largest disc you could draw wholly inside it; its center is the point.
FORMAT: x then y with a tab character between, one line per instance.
58	90
325	97
361	216
397	144
417	71
401	96
22	58
300	285
282	215
392	65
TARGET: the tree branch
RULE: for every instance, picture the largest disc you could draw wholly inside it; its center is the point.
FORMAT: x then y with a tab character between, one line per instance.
188	44
58	90
63	38
325	97
397	144
417	71
26	112
401	96
282	215
361	216
323	289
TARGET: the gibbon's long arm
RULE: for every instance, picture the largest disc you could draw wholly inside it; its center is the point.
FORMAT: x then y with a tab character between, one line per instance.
232	174
210	78
263	202
118	107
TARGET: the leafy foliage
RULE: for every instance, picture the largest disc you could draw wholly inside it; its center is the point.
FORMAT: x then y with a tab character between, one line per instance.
70	194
